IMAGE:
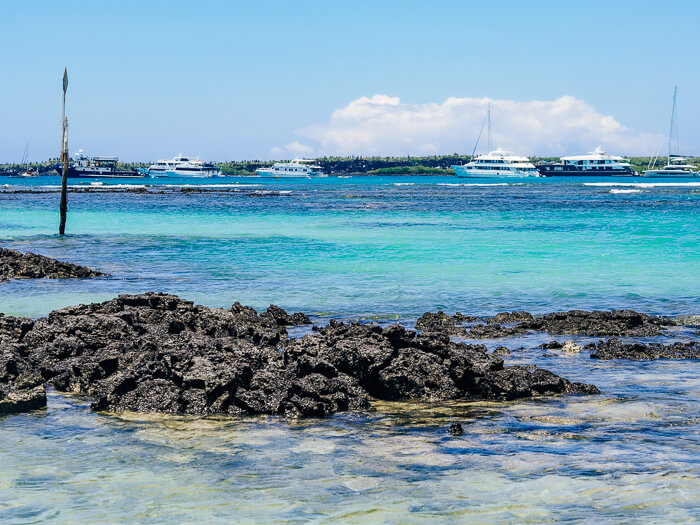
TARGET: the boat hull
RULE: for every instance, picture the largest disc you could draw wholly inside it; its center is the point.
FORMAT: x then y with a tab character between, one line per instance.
94	174
461	171
566	171
663	174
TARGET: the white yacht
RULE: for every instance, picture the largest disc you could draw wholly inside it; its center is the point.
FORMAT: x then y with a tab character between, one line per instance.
295	168
181	166
497	163
595	163
677	165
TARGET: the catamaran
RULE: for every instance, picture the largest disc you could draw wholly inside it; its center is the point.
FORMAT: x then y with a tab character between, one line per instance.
677	165
295	168
182	166
497	163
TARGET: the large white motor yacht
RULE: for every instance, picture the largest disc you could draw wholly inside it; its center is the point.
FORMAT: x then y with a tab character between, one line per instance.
181	166
497	163
295	168
595	163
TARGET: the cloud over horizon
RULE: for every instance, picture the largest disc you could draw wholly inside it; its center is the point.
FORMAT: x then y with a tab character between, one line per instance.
383	125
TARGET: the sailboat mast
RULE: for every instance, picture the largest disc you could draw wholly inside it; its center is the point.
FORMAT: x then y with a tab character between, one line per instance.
673	122
489	127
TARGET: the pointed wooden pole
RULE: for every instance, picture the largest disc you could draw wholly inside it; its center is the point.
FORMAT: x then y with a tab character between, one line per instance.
64	158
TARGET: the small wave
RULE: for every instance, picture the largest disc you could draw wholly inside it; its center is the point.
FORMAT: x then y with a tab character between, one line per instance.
403	183
615	190
645	184
473	184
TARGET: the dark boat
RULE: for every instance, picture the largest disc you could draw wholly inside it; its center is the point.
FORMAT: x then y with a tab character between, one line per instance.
97	167
596	164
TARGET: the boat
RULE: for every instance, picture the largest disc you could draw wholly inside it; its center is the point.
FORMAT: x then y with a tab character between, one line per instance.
182	166
496	163
676	165
295	168
595	163
28	171
96	167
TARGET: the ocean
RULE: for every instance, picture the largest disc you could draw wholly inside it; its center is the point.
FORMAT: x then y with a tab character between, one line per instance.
382	249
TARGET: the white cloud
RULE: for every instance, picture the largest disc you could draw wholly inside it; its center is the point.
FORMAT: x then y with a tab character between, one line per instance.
295	148
383	125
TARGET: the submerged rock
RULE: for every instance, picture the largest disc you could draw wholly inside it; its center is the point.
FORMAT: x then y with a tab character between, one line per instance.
18	265
160	353
615	349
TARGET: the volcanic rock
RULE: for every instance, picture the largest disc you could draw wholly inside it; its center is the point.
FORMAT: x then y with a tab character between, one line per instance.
441	322
455	429
620	323
159	353
18	265
510	317
615	349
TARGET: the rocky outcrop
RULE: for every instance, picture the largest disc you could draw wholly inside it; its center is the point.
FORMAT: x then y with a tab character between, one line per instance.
160	353
510	317
615	349
620	323
18	265
21	388
441	322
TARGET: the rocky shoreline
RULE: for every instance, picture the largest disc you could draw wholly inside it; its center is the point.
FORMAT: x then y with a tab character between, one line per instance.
18	265
160	353
156	352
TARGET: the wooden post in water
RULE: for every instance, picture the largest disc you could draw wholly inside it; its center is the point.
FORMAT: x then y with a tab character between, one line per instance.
64	158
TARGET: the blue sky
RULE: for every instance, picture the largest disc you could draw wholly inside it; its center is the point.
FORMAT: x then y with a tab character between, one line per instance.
243	80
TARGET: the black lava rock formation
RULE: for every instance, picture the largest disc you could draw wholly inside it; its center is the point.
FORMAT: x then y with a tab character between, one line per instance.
618	323
18	265
615	349
160	353
21	388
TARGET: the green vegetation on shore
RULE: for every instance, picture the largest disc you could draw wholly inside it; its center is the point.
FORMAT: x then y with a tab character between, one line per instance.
431	165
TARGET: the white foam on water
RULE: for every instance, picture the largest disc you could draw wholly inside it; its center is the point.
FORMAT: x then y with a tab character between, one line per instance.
475	184
615	190
403	183
646	184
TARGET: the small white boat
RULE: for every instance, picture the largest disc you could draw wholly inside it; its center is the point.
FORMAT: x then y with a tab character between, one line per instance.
295	168
181	166
677	165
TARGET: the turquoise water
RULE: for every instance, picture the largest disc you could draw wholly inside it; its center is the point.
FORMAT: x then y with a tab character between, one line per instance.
381	248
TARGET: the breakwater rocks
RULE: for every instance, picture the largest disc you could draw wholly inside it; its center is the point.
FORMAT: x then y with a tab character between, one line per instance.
619	323
615	349
18	265
160	353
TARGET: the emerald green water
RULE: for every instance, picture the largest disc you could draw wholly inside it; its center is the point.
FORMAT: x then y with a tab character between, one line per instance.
384	249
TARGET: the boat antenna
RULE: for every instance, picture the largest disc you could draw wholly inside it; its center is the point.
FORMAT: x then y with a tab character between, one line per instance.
489	128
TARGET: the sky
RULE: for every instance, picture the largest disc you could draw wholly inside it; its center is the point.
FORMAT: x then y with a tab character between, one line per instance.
233	80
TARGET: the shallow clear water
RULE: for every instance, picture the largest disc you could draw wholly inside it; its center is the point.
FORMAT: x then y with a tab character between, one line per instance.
382	248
